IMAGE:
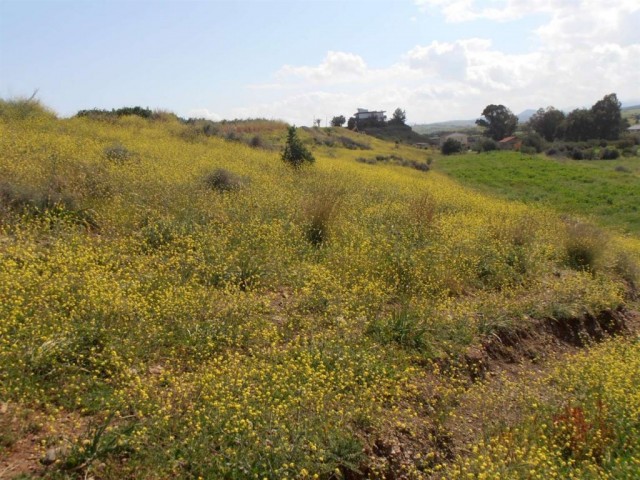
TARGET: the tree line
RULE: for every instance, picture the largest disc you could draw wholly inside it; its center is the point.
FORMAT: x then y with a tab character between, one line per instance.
602	121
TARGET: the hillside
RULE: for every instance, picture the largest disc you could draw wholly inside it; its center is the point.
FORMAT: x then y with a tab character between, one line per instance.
176	302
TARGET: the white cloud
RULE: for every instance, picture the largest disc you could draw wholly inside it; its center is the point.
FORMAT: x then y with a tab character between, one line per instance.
585	49
336	67
204	113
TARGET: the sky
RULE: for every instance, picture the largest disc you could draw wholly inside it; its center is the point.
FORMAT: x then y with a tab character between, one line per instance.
300	60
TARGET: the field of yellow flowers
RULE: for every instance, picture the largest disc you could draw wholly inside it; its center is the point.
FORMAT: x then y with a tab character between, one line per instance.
182	305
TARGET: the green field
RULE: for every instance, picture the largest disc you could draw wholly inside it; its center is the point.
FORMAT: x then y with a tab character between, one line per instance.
607	191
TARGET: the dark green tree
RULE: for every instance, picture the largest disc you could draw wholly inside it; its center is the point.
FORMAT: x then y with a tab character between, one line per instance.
450	146
338	121
607	120
547	123
295	153
399	117
499	122
579	125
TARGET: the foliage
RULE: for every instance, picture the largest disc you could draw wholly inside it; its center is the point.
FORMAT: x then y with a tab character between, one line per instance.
609	154
579	125
499	122
338	121
451	146
607	117
547	123
488	145
399	117
119	112
533	141
295	153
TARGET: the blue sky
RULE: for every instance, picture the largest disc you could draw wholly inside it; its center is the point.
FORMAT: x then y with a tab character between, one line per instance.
297	60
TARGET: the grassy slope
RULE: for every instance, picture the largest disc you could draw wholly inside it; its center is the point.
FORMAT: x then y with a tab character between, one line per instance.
212	338
586	188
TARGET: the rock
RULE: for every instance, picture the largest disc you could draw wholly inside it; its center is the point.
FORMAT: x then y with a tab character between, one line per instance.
53	454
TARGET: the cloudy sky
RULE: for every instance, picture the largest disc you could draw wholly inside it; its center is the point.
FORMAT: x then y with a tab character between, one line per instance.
299	60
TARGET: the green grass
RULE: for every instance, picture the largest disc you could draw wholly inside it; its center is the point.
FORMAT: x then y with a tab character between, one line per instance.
589	188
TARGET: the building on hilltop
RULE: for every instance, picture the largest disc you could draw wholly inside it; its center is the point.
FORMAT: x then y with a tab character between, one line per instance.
364	114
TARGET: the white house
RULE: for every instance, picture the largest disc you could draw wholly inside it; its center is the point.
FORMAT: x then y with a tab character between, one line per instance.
364	114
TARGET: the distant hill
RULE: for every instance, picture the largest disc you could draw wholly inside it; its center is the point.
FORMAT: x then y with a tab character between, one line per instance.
462	125
524	116
448	126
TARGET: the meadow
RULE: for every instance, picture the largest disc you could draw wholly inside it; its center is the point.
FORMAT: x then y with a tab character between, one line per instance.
603	191
177	304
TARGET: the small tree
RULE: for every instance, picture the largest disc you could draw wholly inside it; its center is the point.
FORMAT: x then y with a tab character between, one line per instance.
338	121
498	121
399	117
295	153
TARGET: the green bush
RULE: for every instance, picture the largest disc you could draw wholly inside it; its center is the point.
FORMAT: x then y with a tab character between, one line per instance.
488	145
450	146
609	154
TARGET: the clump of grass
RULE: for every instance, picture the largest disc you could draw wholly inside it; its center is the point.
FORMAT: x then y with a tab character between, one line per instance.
423	209
622	169
223	180
585	246
319	212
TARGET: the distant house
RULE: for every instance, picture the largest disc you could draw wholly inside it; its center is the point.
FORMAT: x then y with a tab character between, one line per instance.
510	143
634	128
364	115
460	137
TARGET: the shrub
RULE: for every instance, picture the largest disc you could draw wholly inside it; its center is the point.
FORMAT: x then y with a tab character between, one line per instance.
450	146
488	145
551	152
609	154
528	150
295	153
533	141
352	144
423	167
577	154
257	142
117	153
223	180
623	169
